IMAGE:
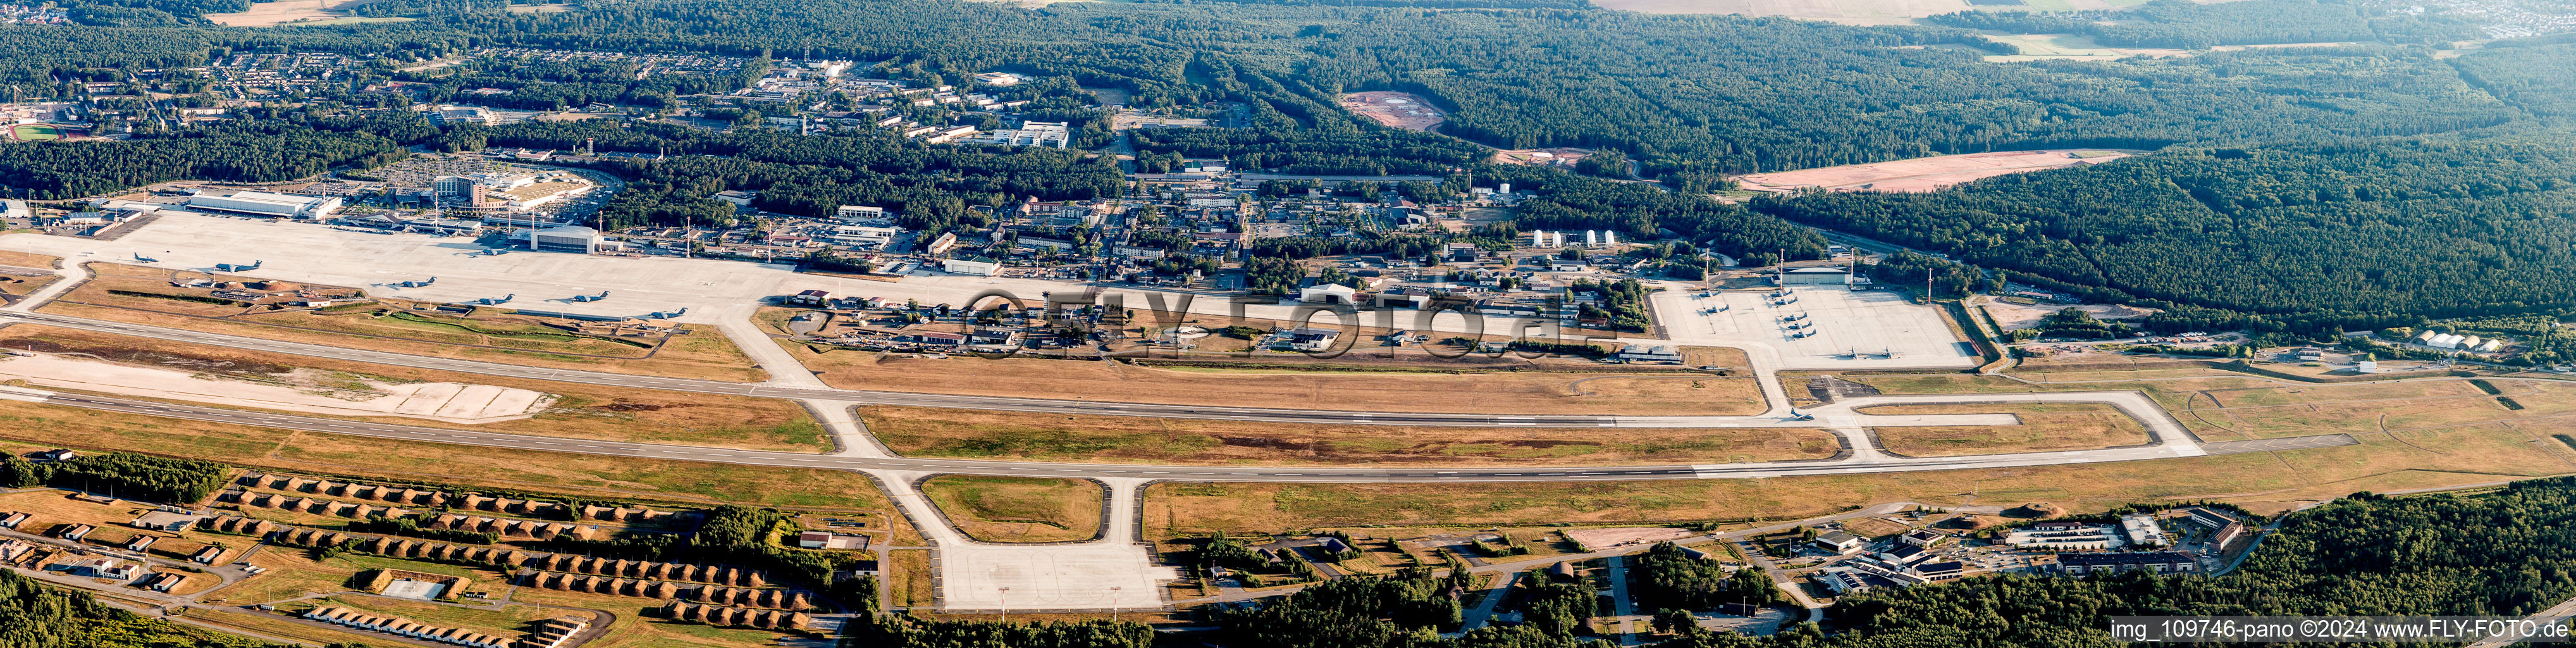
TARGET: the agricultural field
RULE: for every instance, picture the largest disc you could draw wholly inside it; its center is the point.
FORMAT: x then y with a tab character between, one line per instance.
1018	509
1290	385
977	434
2048	426
577	410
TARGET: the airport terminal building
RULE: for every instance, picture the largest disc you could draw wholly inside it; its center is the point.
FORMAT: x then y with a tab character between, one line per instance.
273	205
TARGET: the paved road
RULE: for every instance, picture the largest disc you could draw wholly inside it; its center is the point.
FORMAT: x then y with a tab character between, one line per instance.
2556	613
1623	613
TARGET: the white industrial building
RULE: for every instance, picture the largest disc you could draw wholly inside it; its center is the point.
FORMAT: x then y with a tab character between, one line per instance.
1819	275
975	266
1328	294
1048	134
569	238
2143	531
274	205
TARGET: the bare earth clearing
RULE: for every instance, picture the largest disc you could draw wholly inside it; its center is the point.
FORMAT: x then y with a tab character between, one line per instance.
1398	109
271	14
1926	174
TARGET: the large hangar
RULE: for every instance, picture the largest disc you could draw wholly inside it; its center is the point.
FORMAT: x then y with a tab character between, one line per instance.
569	238
262	203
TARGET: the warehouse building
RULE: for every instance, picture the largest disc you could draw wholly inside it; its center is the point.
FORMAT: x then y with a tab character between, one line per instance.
274	205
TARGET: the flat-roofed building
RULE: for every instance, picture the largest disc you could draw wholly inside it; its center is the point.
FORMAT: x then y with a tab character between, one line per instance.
1815	276
569	238
273	205
975	266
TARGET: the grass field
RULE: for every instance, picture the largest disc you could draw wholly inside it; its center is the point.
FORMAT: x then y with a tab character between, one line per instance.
908	578
28	260
591	476
1018	509
2052	426
293	573
2266	482
582	411
2232	407
23	286
633	630
937	432
1494	392
37	132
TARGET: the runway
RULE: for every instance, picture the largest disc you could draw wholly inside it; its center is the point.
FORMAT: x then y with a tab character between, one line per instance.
1036	405
1858	464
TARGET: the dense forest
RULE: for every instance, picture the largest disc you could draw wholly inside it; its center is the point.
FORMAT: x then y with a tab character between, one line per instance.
2363	228
262	151
1687	97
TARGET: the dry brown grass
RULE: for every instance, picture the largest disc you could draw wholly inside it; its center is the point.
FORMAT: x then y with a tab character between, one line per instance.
587	476
583	411
274	626
1284	385
2235	406
908	578
633	630
28	260
2051	426
24	286
2266	482
936	432
1018	509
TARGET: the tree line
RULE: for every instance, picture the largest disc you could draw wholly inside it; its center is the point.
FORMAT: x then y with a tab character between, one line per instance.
120	474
